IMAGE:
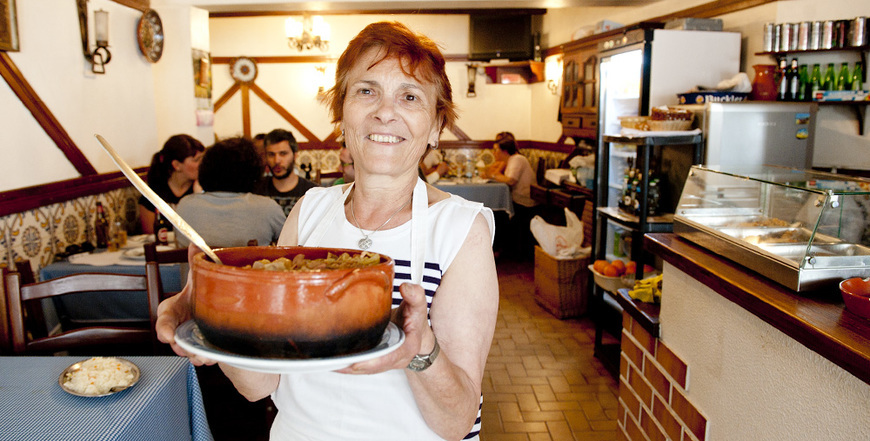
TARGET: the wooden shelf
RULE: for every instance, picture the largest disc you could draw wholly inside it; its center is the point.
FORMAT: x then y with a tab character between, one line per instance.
508	73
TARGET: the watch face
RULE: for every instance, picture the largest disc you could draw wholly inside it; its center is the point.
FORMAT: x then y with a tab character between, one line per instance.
149	34
243	69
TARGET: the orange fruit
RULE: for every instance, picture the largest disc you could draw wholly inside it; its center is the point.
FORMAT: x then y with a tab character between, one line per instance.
631	267
599	265
619	265
610	271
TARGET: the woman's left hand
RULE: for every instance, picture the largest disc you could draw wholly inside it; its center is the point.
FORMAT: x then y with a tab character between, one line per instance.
411	316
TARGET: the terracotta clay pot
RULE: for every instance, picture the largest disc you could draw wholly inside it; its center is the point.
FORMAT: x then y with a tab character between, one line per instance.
764	83
290	314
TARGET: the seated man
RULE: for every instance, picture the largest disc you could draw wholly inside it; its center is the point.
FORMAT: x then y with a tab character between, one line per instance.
284	186
227	214
347	173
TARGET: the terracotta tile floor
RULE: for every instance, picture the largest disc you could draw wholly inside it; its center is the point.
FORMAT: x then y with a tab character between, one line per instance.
542	382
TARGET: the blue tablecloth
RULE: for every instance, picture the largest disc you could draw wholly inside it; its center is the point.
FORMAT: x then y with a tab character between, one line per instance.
166	403
87	308
494	195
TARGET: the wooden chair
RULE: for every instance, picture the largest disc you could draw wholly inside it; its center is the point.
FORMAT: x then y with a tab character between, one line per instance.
26	271
20	294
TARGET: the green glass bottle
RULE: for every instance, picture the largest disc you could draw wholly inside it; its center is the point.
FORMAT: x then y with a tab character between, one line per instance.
858	77
830	81
803	80
844	80
815	83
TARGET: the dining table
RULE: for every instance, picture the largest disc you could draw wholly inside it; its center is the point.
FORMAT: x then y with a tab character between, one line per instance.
165	404
83	309
492	194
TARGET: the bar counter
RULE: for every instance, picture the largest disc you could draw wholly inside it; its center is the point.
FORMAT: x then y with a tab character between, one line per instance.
754	360
817	320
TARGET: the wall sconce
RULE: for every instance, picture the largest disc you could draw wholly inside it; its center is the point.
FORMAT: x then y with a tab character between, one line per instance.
311	32
101	56
553	73
321	79
472	74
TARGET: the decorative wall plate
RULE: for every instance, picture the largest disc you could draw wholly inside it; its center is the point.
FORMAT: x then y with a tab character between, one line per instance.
243	69
149	33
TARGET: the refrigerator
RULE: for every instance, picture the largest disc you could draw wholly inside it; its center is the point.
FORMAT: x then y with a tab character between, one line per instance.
646	68
757	133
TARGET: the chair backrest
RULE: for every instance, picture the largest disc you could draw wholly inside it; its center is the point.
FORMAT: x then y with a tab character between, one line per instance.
24	269
153	259
20	294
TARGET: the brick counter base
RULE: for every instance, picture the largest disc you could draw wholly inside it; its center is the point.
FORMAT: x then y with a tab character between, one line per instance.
652	390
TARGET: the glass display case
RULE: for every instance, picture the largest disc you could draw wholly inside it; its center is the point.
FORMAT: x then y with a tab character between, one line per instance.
803	229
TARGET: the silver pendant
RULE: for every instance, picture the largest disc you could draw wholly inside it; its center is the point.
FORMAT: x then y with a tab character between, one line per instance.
364	243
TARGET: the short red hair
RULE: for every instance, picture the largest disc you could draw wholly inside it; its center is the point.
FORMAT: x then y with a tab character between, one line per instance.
420	59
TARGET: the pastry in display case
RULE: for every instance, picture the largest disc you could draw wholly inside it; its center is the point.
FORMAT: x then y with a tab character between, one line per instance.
803	229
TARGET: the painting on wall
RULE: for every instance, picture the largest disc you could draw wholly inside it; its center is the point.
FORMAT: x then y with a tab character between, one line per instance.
201	73
8	26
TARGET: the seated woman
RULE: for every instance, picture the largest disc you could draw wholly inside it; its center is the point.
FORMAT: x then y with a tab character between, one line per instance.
514	169
172	175
227	214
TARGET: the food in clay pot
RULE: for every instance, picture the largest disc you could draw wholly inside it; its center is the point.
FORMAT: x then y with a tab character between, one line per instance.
341	306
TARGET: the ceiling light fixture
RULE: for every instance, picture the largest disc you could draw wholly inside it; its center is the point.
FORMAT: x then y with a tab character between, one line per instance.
309	33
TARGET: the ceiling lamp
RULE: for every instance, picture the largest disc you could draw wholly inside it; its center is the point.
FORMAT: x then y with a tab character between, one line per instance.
309	33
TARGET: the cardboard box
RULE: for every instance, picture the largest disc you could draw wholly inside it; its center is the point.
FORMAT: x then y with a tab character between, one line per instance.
561	286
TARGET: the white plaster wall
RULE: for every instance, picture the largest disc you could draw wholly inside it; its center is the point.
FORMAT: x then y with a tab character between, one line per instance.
121	105
750	380
294	85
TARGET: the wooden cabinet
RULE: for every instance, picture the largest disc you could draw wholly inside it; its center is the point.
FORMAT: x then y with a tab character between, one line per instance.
579	103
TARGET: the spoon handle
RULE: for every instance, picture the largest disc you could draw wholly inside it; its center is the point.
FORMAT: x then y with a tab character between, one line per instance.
158	202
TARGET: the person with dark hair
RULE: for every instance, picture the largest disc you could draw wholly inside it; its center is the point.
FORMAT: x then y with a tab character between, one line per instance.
392	100
347	175
172	175
514	169
227	214
284	186
259	145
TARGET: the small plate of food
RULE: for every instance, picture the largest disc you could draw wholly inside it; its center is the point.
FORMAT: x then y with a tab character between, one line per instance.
98	376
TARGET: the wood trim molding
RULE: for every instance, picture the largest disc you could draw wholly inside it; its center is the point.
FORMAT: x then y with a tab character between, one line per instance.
142	5
237	14
312	59
311	137
226	96
24	199
19	85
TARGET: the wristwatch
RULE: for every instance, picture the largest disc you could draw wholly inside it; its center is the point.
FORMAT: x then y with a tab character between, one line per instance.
422	362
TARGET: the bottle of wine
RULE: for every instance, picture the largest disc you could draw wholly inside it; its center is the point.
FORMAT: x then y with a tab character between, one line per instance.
101	227
782	81
830	82
844	81
162	227
815	83
858	77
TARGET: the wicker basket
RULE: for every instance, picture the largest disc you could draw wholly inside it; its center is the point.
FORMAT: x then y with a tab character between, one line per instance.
560	284
634	122
669	126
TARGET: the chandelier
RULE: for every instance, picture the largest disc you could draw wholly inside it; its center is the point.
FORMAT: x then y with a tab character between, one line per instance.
309	33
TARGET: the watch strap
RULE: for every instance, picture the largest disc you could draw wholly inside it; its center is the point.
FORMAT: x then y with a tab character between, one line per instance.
422	362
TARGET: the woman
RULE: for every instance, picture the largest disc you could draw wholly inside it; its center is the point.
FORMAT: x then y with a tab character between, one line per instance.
392	100
172	175
512	168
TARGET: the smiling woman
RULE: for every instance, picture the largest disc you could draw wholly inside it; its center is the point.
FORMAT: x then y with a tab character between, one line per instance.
391	100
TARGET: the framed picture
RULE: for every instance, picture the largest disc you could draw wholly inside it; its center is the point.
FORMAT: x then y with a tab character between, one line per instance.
8	26
201	73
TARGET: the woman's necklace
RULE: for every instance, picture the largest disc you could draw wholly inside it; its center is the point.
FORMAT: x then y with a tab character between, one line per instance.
365	242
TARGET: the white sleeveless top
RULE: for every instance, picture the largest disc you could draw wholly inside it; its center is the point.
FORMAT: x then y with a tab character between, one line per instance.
329	406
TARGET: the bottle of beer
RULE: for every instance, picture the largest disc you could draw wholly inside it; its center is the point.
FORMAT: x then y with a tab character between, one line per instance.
815	83
162	227
794	83
844	81
858	77
101	227
782	81
803	93
830	82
